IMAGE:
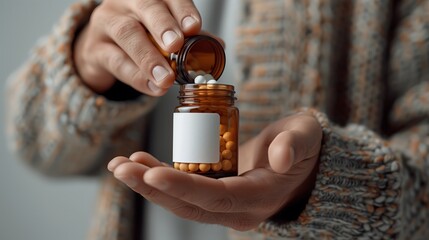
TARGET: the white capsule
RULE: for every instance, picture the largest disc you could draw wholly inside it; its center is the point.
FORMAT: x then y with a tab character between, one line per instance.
208	77
200	79
212	81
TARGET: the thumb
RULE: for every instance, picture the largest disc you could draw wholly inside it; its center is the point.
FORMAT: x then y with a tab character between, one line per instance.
294	139
286	149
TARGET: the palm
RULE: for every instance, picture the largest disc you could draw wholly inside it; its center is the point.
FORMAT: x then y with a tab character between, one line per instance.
276	168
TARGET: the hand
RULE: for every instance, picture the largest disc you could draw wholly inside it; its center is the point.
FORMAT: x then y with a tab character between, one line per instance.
277	168
116	45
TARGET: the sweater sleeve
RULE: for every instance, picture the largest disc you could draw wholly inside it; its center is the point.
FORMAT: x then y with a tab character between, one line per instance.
58	125
369	187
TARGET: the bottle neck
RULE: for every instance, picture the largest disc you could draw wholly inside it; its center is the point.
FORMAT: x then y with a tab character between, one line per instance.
207	94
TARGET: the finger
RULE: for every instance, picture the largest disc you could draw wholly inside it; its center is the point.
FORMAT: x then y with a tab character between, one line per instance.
133	39
292	141
233	194
281	153
157	19
117	62
129	173
291	147
307	136
186	14
237	220
111	166
146	159
88	68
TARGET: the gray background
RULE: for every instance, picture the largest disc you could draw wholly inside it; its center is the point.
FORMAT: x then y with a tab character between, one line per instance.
33	206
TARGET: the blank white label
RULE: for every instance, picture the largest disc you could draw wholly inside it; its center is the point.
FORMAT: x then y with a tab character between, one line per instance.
196	137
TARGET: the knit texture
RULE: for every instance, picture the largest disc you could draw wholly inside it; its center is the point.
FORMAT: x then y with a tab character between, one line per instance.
359	66
333	56
61	128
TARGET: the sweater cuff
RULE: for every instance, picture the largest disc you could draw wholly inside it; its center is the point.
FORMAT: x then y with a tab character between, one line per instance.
77	106
357	188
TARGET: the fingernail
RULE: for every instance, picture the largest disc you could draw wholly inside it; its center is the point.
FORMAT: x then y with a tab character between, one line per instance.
129	181
153	87
159	73
111	166
169	37
188	22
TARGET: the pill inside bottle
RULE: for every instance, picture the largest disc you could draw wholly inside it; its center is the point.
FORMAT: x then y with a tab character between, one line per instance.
205	130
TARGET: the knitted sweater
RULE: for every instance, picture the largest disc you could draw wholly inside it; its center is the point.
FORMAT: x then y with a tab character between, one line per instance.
362	67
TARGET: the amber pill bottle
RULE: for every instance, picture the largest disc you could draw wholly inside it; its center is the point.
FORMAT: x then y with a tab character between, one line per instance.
200	53
205	130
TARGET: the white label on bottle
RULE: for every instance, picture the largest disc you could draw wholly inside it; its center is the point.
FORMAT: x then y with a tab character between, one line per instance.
196	137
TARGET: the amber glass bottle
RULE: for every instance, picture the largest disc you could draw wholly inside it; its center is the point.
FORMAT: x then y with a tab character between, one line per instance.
200	53
205	130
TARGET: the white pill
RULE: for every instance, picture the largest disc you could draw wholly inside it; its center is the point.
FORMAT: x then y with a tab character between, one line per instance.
200	79
212	81
208	77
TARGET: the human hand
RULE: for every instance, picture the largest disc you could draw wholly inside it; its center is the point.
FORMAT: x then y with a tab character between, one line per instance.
115	44
277	168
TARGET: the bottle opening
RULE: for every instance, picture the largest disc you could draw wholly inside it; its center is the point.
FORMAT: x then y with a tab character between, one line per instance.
202	54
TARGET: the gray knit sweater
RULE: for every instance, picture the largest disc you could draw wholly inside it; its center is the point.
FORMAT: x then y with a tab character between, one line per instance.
361	67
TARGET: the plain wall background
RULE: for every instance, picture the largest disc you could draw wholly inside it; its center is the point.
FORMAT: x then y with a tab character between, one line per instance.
33	206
